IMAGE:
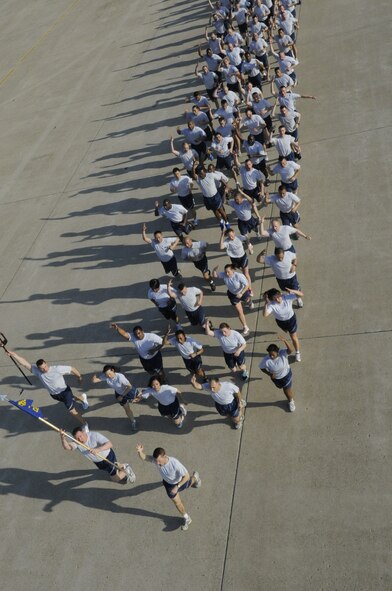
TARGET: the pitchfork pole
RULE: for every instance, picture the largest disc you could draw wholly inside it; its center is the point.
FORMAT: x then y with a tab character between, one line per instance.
3	342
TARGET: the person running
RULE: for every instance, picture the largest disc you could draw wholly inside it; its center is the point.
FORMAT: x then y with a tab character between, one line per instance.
247	213
124	392
237	291
161	299
233	346
177	216
253	180
148	346
175	478
163	249
288	171
189	349
195	251
187	156
281	234
235	248
52	378
213	200
191	299
287	203
284	265
168	398
227	398
281	307
182	185
96	443
276	366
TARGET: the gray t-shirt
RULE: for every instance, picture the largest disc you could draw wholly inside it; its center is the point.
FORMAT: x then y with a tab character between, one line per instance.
53	379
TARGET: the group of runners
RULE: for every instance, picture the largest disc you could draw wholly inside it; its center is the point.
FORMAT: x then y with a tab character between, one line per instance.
229	136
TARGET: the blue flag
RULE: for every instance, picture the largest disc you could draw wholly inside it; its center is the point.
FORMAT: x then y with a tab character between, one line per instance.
27	406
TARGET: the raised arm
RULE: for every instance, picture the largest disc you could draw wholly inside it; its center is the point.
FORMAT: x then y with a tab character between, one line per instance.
145	238
170	291
221	241
173	151
142	455
264	233
286	344
21	360
76	372
120	331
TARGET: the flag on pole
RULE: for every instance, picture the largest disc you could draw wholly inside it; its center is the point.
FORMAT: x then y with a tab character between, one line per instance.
27	405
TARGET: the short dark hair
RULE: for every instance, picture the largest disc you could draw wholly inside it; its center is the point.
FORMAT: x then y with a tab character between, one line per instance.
157	232
152	379
224	325
278	250
175	169
76	430
154	283
181	286
166	202
178	332
158	451
137	327
40	362
272	347
271	293
107	367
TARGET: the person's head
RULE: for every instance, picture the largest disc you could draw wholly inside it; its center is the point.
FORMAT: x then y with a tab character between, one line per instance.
154	284
255	36
138	332
191	125
276	224
284	111
195	110
283	161
197	95
214	384
251	139
229	270
211	168
180	336
182	288
222	121
209	51
280	32
248	164
205	69
274	295
188	242
282	55
201	171
248	57
255	97
225	329
278	72
160	457
110	371
155	383
176	172
279	253
282	10
273	350
230	234
249	112
79	434
283	91
185	146
226	61
42	365
230	46
255	19
282	191
238	197
213	36
158	235
282	130
167	204
218	137
224	103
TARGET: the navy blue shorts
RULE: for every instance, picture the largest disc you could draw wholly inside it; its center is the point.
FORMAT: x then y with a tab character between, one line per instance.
169	487
253	193
234	299
289	325
107	467
231	409
241	262
188	202
66	397
290	219
172	410
170	311
234	87
264	60
202	265
232	361
291	186
153	365
197	316
227	162
291	283
246	226
294	134
213	203
211	92
122	400
268	122
285	382
170	266
193	364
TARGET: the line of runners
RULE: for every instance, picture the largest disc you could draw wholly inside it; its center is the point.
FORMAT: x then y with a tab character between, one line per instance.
236	72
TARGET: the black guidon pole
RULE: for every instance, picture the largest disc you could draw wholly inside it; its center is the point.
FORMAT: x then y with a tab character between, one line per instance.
3	342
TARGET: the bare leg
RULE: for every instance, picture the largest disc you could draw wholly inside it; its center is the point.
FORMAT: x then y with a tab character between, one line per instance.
78	417
288	393
128	412
179	504
245	271
295	341
240	312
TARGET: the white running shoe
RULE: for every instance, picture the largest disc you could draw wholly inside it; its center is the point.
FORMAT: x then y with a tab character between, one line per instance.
184	411
243	403
246	331
186	524
198	480
291	405
85	428
300	303
84	401
251	305
250	248
131	476
298	356
239	424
